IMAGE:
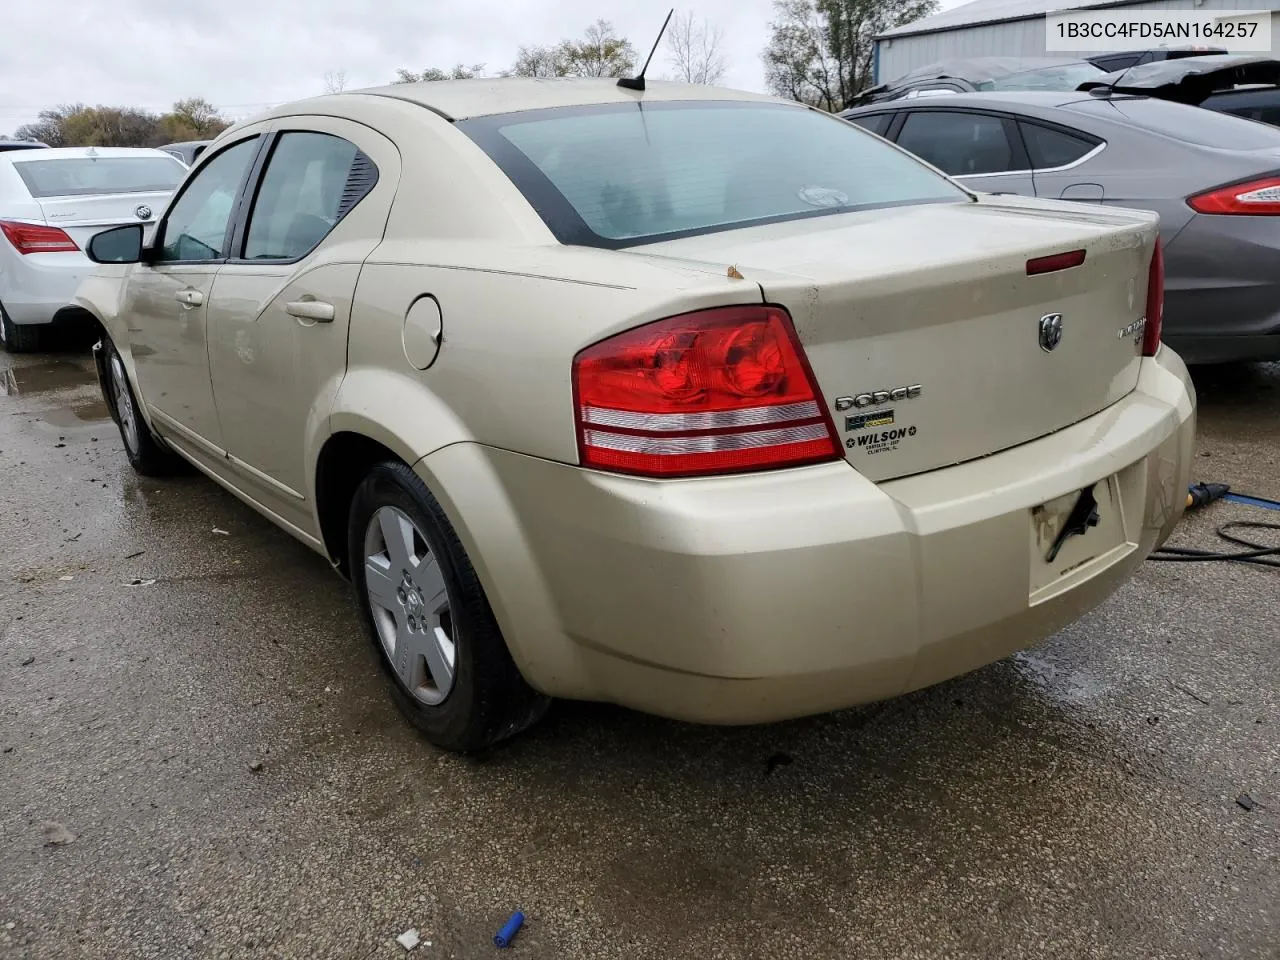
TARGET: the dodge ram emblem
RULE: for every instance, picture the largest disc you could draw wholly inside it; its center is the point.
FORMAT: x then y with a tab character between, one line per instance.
1050	331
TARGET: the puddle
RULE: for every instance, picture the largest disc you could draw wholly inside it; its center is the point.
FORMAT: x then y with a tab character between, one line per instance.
43	377
90	411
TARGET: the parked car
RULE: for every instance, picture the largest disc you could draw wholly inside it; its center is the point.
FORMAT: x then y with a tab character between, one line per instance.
984	73
188	151
698	401
1123	60
6	145
1245	85
51	202
1212	178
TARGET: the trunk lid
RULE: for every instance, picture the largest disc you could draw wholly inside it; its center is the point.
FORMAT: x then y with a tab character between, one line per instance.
923	327
82	217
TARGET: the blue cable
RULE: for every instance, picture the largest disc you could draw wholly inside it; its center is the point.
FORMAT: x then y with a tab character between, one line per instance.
1252	501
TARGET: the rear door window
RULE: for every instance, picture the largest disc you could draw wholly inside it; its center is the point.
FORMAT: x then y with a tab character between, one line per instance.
960	143
312	181
1049	147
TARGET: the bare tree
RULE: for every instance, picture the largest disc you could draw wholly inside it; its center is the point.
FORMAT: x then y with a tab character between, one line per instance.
335	81
459	72
600	53
820	51
696	50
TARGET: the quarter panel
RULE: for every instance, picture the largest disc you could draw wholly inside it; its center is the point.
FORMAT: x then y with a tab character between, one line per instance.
509	337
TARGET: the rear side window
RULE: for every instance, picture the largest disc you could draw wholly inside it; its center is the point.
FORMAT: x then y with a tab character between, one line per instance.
622	174
875	122
960	144
312	181
1049	148
1178	121
89	176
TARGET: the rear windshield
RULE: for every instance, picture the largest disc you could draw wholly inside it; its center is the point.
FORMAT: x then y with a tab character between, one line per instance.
86	176
1206	128
624	174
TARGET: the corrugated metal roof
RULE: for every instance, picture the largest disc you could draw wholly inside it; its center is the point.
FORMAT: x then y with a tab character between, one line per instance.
993	11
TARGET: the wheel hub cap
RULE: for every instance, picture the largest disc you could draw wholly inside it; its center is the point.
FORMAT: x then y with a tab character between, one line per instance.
410	604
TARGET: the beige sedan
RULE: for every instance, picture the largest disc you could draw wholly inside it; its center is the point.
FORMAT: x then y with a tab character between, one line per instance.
692	400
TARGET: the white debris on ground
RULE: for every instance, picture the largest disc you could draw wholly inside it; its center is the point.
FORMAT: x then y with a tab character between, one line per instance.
409	939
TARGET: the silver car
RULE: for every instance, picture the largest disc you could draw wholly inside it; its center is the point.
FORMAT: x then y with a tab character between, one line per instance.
1214	179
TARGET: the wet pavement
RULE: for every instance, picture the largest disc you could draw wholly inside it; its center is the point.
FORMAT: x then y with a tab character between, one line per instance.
200	711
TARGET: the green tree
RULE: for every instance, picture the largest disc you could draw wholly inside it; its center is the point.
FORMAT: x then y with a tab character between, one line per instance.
77	125
820	51
459	72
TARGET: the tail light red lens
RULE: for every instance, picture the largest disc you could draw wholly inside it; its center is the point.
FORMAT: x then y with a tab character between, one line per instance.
37	238
1155	303
717	391
1258	198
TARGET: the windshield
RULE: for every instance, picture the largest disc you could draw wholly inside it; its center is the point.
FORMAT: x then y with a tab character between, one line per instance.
622	174
88	176
1066	76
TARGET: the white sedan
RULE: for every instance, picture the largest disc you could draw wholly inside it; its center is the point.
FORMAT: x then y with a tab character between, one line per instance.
51	202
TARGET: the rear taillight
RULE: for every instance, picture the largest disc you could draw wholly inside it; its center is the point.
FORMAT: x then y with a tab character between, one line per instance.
1258	198
717	391
37	238
1155	303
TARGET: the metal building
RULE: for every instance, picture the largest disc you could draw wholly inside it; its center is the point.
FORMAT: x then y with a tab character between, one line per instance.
1014	28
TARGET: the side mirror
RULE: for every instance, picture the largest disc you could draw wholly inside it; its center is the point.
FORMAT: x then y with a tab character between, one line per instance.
117	245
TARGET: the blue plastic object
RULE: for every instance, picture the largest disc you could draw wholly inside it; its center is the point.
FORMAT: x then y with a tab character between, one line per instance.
509	929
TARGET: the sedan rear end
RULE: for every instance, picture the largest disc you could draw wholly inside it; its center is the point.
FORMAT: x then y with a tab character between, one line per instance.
924	430
52	201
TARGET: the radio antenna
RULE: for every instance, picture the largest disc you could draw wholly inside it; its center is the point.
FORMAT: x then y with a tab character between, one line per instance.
637	82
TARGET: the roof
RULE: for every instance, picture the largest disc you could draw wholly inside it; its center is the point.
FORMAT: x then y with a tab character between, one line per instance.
463	99
994	11
1033	98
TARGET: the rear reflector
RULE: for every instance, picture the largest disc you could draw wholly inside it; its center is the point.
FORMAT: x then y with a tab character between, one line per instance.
1155	303
37	238
717	391
1059	261
1257	198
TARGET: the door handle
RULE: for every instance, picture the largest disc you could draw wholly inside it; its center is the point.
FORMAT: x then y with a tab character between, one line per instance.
190	298
315	310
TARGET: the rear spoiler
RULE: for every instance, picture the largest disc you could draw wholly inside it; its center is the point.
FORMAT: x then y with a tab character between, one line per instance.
1191	81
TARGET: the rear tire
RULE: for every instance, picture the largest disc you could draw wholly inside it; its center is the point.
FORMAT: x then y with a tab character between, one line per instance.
18	337
427	615
146	454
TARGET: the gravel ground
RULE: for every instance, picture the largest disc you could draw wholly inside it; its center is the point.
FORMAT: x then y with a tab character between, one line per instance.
219	748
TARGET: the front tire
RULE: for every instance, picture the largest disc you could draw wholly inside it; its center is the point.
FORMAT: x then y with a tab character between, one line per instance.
428	617
147	456
18	337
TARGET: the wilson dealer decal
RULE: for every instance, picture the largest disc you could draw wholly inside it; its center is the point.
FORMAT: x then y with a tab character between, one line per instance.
881	441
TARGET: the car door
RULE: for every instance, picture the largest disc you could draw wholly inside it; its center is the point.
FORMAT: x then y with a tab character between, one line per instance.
1060	161
980	150
166	302
280	308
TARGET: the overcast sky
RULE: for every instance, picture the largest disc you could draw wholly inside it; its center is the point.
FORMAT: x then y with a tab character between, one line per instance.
245	55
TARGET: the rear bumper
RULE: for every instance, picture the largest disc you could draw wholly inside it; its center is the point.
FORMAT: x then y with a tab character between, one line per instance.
761	597
35	287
